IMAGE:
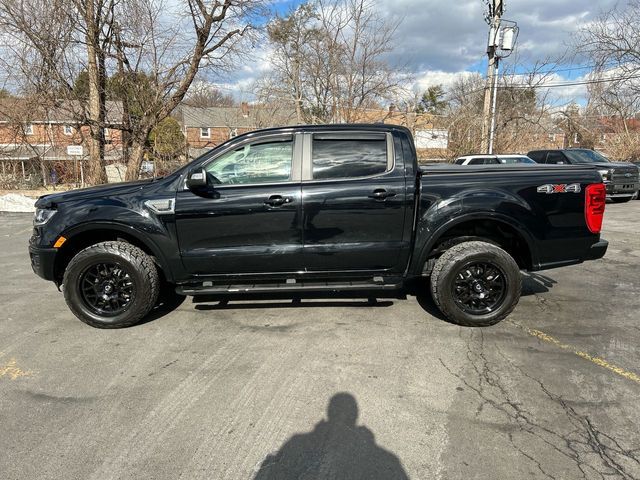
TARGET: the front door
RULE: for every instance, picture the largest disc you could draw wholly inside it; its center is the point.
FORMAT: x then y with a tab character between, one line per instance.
354	202
248	218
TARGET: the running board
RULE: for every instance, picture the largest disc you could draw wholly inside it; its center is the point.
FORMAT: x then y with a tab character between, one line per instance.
291	286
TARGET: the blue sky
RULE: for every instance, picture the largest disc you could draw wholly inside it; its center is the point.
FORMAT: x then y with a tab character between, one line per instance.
437	40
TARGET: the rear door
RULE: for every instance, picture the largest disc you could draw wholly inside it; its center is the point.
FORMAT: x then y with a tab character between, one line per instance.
353	202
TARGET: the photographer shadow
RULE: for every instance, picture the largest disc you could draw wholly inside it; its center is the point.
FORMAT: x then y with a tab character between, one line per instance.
335	449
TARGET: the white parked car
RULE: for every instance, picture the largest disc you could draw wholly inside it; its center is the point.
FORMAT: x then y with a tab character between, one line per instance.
493	160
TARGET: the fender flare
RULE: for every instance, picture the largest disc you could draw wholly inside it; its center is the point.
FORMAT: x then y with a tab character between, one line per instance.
129	230
474	216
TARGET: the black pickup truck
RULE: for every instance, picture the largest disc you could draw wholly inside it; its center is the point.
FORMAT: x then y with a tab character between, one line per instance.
330	208
620	178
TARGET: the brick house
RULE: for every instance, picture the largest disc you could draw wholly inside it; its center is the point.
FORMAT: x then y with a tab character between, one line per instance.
34	139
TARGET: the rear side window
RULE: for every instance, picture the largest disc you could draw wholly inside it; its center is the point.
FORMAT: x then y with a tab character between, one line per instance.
338	156
556	157
512	160
483	161
537	156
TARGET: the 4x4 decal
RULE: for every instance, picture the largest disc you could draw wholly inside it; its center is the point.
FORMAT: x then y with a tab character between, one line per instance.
560	188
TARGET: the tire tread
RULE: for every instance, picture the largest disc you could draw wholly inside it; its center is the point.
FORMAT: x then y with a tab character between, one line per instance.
137	257
447	259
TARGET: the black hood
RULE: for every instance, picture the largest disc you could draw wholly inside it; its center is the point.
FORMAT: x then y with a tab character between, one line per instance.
91	192
616	165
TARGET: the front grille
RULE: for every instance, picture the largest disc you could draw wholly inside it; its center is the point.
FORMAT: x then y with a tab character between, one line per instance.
625	175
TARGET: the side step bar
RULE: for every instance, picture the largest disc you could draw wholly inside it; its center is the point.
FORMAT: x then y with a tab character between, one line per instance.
207	288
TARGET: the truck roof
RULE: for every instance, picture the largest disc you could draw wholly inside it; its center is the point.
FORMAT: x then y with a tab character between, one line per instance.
384	127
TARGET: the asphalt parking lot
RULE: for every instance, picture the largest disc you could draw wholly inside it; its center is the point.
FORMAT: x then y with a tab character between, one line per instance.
276	389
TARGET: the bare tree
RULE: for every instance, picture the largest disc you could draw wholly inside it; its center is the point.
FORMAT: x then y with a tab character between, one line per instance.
612	43
524	117
169	50
329	60
154	48
203	94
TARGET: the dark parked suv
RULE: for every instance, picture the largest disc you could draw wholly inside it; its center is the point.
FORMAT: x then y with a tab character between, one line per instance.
620	178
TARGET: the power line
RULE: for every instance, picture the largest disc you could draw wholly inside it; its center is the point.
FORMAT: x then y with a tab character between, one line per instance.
568	69
572	84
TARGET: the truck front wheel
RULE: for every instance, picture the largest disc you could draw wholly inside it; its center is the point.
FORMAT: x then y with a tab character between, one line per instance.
476	284
111	285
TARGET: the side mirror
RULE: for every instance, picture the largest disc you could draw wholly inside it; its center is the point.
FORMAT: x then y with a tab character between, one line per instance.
196	179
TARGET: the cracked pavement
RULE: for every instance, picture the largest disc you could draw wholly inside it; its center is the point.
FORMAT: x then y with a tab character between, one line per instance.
334	388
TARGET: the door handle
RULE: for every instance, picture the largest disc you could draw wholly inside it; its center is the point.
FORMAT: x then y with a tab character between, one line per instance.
381	194
277	200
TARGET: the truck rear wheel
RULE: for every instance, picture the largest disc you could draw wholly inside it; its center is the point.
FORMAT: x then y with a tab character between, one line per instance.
476	284
111	285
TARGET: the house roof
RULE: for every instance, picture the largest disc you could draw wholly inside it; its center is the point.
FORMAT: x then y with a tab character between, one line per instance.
26	110
249	116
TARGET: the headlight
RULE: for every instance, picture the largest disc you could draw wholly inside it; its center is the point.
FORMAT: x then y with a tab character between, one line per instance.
42	216
606	175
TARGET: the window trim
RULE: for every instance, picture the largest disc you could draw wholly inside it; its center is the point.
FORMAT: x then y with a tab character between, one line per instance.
296	160
307	154
64	130
28	129
208	129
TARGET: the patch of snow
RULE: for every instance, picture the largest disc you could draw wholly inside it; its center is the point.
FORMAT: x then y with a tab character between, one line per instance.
13	202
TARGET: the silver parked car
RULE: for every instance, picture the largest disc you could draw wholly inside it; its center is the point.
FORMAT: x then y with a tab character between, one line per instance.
510	159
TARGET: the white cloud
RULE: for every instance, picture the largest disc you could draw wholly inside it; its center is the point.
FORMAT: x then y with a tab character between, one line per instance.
438	41
429	78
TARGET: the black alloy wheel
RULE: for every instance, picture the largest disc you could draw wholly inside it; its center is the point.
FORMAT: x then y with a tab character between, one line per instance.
107	289
479	288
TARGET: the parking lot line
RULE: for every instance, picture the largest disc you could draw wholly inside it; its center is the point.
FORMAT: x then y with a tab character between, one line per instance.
11	370
593	359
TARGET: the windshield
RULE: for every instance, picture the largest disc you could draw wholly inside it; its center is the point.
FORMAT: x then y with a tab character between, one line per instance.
586	156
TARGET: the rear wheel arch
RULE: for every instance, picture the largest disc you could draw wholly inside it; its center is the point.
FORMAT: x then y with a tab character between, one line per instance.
490	229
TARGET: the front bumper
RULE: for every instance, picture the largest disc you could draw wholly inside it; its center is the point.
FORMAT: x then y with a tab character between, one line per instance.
619	190
597	250
43	261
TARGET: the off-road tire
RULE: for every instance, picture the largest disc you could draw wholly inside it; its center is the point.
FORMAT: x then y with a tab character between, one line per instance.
137	263
449	264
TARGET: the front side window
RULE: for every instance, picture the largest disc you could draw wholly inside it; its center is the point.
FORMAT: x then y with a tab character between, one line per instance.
335	156
476	161
264	162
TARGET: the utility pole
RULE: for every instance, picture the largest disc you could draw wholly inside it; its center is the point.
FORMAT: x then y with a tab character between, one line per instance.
496	8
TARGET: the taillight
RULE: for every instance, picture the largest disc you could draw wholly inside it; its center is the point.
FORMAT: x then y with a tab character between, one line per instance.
594	202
